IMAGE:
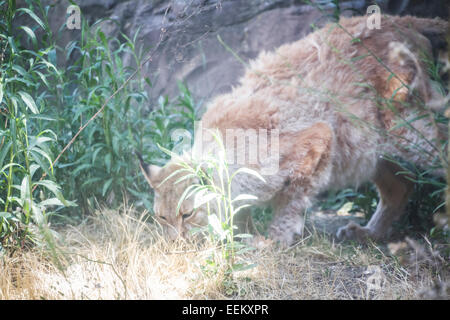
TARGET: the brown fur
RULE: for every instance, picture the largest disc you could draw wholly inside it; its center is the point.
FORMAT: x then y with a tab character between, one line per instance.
326	96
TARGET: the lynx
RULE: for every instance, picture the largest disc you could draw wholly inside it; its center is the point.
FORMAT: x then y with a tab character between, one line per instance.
338	100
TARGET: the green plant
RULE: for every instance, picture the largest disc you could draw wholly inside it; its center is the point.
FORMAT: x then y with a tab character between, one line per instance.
49	104
214	190
99	163
362	199
26	138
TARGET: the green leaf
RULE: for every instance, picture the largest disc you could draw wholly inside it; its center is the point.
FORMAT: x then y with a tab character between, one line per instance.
173	174
214	222
38	141
37	158
33	169
41	117
91	181
250	172
203	196
108	161
55	189
1	91
44	154
50	66
147	80
185	177
29	101
5	215
184	196
80	168
4	151
240	208
243	267
52	56
106	186
12	164
38	216
50	185
34	16
17	200
13	45
94	155
69	48
51	202
30	34
245	197
243	236
103	38
25	189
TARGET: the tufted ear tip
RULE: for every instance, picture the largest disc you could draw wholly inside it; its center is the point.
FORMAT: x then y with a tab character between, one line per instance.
150	171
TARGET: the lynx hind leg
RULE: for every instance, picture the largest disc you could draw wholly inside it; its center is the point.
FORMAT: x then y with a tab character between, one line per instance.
394	191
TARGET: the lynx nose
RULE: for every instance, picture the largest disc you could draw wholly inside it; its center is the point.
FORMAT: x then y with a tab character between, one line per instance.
174	233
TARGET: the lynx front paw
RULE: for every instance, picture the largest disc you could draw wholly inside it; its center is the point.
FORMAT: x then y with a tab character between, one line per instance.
353	231
284	229
284	239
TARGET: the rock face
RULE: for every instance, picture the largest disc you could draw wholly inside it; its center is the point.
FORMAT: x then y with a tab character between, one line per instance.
183	34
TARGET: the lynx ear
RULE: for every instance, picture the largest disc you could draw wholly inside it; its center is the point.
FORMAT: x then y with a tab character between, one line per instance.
150	172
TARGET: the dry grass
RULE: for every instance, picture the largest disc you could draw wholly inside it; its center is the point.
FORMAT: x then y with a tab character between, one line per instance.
114	255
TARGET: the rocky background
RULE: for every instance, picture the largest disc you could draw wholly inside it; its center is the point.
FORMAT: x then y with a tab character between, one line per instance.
182	35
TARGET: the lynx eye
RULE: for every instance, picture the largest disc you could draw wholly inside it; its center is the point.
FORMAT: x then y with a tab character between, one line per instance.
187	215
162	218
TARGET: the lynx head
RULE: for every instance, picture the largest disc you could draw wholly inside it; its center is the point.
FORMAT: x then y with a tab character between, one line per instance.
167	195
